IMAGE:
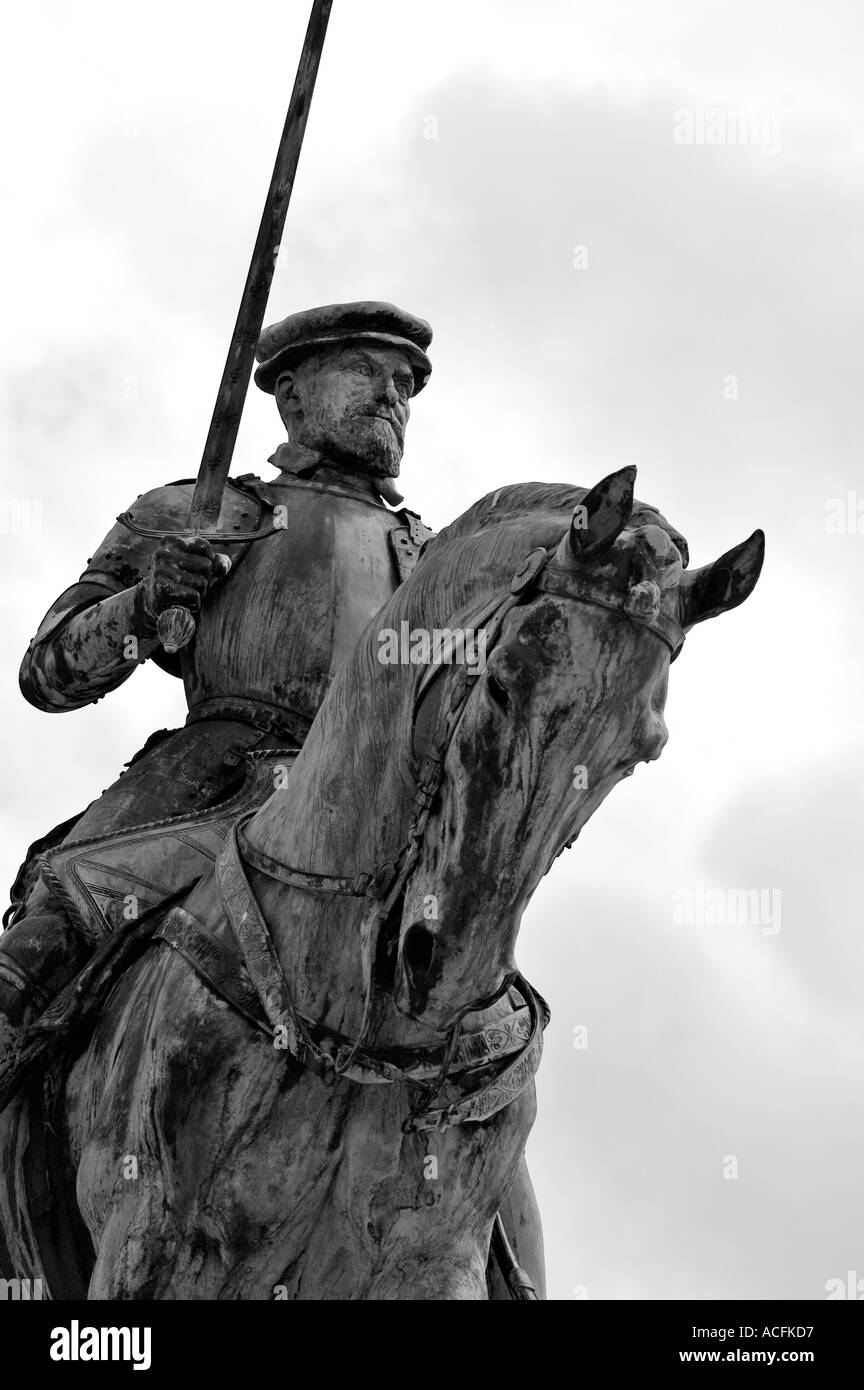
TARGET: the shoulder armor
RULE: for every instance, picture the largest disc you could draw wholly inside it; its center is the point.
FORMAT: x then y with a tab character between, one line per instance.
123	557
407	541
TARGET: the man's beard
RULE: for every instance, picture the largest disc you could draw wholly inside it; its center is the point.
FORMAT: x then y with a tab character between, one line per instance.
362	442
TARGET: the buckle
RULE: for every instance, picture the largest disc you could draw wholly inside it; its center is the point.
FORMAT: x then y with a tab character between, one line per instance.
382	880
427	1120
376	885
318	1062
429	777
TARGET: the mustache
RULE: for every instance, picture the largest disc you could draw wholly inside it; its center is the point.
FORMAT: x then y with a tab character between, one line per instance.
392	420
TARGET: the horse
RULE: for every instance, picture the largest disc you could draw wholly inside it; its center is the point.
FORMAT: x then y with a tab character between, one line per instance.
317	1081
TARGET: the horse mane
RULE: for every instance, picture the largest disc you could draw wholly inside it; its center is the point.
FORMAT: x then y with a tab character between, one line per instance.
491	538
526	499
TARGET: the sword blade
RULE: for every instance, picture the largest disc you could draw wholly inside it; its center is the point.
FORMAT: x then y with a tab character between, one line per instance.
225	422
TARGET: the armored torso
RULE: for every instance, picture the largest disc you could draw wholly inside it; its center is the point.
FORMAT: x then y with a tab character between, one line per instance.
279	626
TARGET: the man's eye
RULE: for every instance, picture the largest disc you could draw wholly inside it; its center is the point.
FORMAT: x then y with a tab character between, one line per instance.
404	389
362	367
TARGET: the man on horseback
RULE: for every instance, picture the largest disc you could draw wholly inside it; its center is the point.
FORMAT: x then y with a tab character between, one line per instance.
312	556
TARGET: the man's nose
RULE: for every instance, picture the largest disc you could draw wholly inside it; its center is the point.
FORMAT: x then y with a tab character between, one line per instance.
387	390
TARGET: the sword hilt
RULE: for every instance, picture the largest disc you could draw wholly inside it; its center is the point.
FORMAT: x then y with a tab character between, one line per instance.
175	628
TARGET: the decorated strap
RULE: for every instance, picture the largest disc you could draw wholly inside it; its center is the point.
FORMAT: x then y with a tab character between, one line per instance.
266	973
217	964
482	1104
255	943
220	966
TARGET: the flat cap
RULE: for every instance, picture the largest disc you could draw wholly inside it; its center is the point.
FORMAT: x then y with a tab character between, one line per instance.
368	320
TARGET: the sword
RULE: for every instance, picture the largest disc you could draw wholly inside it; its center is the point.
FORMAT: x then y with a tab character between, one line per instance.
176	626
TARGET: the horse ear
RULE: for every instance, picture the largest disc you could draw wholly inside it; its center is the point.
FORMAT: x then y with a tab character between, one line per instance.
600	517
716	588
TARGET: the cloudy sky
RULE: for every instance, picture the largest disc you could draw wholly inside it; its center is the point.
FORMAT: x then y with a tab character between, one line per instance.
637	232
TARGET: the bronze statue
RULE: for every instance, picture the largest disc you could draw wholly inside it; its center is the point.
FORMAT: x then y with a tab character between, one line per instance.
314	1077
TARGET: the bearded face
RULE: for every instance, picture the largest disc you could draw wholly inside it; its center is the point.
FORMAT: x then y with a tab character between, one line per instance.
350	404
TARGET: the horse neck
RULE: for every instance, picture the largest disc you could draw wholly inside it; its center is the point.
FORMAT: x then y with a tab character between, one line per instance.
343	811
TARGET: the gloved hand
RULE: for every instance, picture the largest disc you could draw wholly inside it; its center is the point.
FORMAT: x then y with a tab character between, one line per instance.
182	570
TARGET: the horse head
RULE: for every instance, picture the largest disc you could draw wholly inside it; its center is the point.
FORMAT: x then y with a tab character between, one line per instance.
572	697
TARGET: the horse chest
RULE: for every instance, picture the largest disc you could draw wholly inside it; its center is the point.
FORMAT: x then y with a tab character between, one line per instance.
373	1211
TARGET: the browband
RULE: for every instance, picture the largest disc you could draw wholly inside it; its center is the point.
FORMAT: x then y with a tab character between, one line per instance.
641	603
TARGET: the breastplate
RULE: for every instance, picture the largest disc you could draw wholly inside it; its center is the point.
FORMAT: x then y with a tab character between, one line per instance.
279	627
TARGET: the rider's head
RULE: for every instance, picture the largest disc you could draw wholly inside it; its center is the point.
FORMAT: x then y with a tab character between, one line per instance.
343	377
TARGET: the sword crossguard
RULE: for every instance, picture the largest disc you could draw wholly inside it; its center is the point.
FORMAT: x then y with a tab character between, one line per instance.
154	533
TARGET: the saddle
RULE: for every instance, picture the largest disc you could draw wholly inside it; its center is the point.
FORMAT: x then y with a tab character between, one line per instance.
116	888
107	882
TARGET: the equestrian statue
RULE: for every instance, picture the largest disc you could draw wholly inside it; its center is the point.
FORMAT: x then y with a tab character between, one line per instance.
263	1034
312	1075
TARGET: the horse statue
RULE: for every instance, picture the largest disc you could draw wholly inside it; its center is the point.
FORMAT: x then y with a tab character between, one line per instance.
315	1081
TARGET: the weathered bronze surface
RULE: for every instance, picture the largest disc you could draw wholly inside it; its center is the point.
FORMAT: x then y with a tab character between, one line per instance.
296	1154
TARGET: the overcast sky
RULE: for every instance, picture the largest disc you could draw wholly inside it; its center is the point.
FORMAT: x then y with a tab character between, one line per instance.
602	292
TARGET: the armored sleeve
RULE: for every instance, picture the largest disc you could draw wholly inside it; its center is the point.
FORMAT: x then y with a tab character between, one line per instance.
97	633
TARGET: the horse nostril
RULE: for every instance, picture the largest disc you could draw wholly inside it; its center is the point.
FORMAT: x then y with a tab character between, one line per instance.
418	950
497	692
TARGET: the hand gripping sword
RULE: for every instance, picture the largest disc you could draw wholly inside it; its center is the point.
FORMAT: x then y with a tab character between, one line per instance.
176	626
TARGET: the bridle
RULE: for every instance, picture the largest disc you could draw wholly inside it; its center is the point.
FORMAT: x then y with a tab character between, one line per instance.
383	885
